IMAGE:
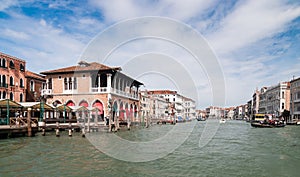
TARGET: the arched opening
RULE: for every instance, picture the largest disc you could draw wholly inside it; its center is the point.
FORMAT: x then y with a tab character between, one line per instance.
121	112
21	83
98	104
70	103
114	110
22	68
11	96
4	95
103	80
21	97
127	111
4	63
84	103
11	64
11	81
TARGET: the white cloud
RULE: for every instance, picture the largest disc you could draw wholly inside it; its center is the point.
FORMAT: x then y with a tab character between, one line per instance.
251	22
5	4
15	34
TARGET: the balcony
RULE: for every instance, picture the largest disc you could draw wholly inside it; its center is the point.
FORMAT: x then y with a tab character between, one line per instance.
3	85
125	94
99	90
46	92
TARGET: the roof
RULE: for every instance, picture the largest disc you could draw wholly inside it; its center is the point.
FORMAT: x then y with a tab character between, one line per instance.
82	66
6	102
36	105
11	57
34	75
162	92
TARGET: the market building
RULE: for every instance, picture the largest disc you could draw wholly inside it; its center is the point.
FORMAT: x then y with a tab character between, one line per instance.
295	99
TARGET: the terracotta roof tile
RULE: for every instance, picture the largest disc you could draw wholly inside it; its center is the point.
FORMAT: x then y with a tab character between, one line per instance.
83	66
34	75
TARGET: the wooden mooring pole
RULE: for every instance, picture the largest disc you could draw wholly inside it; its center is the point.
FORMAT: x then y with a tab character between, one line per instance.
29	130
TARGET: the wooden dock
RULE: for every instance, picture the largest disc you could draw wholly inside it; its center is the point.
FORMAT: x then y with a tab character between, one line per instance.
7	131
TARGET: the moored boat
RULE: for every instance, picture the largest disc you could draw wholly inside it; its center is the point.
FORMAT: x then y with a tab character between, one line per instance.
267	124
222	121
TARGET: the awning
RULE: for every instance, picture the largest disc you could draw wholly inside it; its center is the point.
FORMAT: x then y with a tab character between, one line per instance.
6	102
36	105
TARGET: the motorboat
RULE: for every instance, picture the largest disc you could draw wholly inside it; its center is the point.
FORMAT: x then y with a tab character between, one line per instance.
222	121
275	124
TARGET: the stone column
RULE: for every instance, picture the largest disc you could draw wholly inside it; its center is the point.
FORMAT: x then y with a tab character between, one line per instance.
109	82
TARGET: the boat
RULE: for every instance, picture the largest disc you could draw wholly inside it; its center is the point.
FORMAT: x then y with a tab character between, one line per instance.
222	121
276	124
201	119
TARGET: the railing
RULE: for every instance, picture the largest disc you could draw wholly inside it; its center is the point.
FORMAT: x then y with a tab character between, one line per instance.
21	122
99	89
46	92
2	84
122	93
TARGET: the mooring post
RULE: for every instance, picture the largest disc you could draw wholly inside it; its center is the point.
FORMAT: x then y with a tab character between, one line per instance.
43	132
83	132
57	129
29	130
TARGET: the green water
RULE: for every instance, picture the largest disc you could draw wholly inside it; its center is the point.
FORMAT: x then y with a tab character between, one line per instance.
237	149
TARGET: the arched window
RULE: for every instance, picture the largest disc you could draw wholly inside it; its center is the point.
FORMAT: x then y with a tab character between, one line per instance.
84	103
21	97
21	83
11	96
50	83
3	63
75	83
11	64
32	86
11	81
70	103
4	95
70	83
22	68
66	83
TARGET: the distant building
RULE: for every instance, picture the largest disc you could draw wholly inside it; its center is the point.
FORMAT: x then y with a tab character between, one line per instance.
262	100
295	99
275	99
12	78
34	85
255	101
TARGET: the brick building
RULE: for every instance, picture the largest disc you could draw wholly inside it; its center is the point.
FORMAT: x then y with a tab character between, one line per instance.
12	78
34	84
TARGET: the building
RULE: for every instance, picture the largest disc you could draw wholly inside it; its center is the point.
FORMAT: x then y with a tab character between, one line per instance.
262	108
255	101
295	99
189	108
275	99
12	78
34	84
115	94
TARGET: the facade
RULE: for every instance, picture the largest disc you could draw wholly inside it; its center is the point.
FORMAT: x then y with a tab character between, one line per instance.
255	102
12	78
262	108
115	94
295	99
34	84
190	108
276	99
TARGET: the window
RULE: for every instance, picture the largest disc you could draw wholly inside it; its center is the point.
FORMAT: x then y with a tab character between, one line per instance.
21	97
173	99
282	106
70	83
11	65
4	95
21	83
32	86
59	77
11	81
75	83
50	83
83	76
11	96
282	95
3	63
66	83
22	68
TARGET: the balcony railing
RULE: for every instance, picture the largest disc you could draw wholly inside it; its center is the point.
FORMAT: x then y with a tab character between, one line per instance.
122	93
3	85
99	89
46	92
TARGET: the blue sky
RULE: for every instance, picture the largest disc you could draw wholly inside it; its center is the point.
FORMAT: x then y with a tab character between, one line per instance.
256	42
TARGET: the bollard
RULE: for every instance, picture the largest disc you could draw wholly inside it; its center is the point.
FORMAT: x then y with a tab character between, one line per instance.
43	132
70	132
83	133
57	132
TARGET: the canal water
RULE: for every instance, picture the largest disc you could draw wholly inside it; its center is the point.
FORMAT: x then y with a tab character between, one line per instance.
237	149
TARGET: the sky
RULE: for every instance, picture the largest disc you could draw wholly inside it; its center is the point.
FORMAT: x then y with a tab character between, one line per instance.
256	43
